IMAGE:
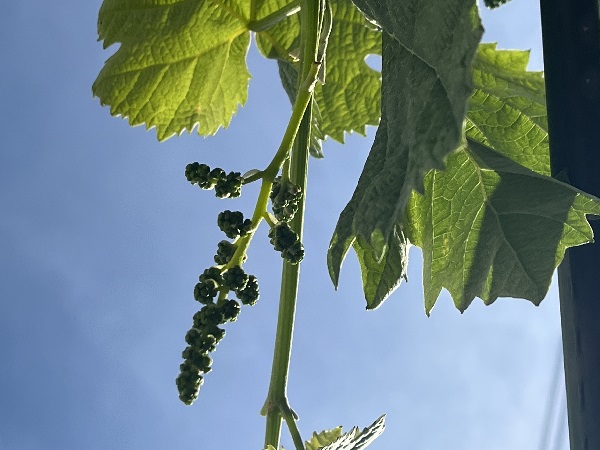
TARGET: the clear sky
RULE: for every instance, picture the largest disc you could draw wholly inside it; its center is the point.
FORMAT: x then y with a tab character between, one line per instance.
102	240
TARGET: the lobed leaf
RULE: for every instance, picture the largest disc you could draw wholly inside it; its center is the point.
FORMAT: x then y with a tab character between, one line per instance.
350	98
181	63
493	223
428	50
493	228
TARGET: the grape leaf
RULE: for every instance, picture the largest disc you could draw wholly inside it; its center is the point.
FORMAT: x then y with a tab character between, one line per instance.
425	88
180	63
382	274
358	440
507	111
491	228
428	52
323	438
350	98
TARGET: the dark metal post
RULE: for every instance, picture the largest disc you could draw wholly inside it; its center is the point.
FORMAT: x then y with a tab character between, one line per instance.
571	38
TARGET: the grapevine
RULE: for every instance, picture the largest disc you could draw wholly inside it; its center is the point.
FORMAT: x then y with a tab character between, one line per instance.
438	168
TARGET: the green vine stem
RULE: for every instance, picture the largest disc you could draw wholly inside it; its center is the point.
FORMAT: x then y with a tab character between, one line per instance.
276	405
303	99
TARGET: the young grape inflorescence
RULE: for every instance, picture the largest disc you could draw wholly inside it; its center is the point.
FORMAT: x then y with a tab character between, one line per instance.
285	199
225	185
216	283
211	291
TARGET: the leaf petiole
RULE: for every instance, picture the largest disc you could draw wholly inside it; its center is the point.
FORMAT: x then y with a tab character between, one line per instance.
272	19
290	419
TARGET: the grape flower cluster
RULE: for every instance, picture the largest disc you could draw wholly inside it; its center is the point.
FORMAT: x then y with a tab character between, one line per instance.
286	241
211	291
215	284
226	185
233	224
285	197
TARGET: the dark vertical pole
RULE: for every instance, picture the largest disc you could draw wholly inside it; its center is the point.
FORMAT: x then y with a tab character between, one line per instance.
571	38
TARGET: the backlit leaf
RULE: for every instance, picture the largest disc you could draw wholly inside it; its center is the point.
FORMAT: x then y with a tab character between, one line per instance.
490	228
428	50
180	64
350	98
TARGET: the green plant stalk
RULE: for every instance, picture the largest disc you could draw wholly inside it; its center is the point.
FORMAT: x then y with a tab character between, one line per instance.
303	99
301	105
276	405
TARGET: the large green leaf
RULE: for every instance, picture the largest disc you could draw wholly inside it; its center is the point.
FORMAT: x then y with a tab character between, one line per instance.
428	52
428	48
349	98
507	113
181	63
491	228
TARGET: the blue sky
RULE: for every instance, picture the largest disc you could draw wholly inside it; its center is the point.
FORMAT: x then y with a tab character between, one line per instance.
102	240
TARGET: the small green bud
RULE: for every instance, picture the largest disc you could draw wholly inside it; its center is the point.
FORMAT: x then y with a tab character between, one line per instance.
494	3
199	174
282	236
214	331
210	314
187	367
231	310
188	386
285	197
294	253
286	241
232	223
225	251
212	273
196	338
206	291
235	278
216	175
249	295
193	336
229	186
198	358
